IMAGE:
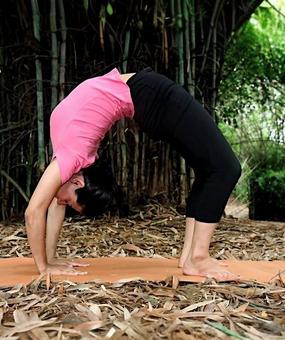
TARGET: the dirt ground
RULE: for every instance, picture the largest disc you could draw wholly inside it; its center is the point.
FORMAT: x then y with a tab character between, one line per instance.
147	310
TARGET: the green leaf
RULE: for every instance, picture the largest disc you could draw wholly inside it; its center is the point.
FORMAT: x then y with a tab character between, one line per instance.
109	9
225	330
86	4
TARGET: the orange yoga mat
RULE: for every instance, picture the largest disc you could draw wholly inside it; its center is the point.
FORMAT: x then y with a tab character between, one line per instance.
22	270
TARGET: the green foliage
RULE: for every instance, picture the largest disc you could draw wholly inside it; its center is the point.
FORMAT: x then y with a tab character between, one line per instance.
254	68
271	156
109	9
269	175
271	181
252	100
86	4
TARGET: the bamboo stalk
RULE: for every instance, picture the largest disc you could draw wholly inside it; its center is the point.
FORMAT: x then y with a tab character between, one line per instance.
202	34
118	155
162	166
173	179
62	60
111	151
216	11
102	23
123	142
155	13
233	14
136	164
16	185
126	51
149	166
39	78
122	122
182	180
166	49
202	44
164	40
193	47
167	165
54	55
180	47
173	31
179	38
214	71
30	163
143	162
187	45
154	178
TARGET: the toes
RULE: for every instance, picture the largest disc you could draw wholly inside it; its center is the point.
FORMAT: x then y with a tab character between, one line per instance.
225	276
229	277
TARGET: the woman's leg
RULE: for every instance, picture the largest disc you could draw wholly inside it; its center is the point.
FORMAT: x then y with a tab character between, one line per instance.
166	111
189	230
190	220
217	170
199	261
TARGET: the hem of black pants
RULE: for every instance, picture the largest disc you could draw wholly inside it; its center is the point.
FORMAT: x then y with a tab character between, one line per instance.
204	220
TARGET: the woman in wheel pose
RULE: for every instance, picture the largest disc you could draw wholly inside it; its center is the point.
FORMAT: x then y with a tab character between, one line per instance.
165	111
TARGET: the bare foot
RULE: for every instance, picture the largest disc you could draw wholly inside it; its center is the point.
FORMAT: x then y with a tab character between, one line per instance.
183	258
210	268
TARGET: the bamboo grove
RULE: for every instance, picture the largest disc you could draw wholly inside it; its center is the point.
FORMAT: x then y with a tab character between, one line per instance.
48	46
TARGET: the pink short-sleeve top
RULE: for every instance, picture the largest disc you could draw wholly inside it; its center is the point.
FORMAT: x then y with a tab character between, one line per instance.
80	121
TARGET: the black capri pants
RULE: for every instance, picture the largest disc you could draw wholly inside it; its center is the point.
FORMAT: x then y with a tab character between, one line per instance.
166	111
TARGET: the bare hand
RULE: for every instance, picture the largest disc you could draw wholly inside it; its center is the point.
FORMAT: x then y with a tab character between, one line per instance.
67	262
56	269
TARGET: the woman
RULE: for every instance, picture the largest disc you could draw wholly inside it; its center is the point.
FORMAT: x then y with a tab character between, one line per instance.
164	110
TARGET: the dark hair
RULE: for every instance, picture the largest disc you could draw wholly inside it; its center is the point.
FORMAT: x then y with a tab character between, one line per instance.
101	192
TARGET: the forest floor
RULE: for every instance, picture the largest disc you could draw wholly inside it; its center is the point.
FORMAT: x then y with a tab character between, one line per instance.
147	310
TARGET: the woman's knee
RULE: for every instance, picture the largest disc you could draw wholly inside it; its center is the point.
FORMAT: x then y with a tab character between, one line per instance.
232	171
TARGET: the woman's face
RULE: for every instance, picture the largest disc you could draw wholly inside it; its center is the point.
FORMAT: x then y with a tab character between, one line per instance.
66	194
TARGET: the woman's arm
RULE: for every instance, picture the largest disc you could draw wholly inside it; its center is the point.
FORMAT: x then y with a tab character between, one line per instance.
55	218
36	213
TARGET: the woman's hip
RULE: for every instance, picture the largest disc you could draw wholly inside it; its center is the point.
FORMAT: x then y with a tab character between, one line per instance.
159	103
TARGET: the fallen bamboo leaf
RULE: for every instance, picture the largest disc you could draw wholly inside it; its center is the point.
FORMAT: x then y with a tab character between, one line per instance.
225	330
89	325
126	328
27	326
197	305
147	309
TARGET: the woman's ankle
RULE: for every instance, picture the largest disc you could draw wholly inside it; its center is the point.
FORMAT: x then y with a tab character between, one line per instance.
199	257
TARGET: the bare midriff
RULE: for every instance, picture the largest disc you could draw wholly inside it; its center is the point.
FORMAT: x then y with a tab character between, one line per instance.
125	77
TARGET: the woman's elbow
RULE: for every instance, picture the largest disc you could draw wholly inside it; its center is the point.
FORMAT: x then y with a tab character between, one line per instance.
32	216
29	217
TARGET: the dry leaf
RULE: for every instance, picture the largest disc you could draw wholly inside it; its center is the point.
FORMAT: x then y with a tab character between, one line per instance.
145	310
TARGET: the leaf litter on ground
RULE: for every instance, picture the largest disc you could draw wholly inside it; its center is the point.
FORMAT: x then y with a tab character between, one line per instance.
146	310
